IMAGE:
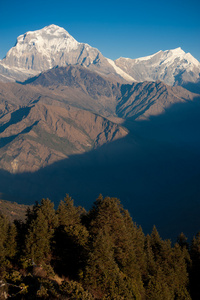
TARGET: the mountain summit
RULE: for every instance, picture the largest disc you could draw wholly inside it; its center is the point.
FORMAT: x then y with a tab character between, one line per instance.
41	50
171	66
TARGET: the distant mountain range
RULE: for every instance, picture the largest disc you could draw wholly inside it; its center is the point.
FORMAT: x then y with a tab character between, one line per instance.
74	121
41	50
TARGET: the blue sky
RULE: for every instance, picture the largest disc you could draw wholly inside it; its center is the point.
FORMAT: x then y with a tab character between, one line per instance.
126	28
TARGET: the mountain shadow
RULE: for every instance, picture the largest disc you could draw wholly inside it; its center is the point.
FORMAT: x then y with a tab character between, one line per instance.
154	170
6	140
16	117
193	87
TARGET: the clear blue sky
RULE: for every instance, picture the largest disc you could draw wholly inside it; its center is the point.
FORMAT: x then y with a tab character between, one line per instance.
117	28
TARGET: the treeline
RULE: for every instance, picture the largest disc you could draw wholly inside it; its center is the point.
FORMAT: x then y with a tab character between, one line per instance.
69	253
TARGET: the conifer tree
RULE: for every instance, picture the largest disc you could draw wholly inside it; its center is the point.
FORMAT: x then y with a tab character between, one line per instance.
11	244
41	224
101	270
38	240
182	241
108	217
47	209
68	214
3	237
167	269
71	238
150	260
7	244
137	242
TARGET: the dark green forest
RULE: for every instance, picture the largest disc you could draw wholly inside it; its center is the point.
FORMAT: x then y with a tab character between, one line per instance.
69	253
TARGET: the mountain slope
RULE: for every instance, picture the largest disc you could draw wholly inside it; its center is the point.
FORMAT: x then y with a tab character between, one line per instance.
57	114
50	126
11	73
34	136
142	100
136	100
80	87
173	67
40	50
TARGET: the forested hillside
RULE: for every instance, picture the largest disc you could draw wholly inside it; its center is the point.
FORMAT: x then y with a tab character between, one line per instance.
69	253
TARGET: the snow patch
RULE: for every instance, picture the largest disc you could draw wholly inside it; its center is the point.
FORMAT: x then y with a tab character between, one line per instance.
120	71
48	41
147	57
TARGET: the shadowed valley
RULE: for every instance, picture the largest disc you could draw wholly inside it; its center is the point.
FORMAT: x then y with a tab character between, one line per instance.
154	169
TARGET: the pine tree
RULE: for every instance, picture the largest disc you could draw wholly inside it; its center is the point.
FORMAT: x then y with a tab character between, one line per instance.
11	244
38	240
47	209
182	241
7	244
108	217
71	238
101	270
167	267
137	238
41	224
150	260
4	224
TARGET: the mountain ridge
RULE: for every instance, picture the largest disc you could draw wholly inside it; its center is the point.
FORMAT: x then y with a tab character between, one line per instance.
135	97
40	134
51	46
174	67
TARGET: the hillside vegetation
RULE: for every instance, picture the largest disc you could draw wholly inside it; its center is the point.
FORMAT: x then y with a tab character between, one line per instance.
69	253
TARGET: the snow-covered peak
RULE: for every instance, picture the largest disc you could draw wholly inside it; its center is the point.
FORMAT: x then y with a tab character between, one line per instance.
167	57
40	50
48	32
54	28
182	59
171	66
177	51
51	30
48	40
52	46
173	53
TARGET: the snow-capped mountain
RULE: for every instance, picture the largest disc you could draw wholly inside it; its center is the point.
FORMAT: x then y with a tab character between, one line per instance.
171	66
37	51
51	46
42	49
